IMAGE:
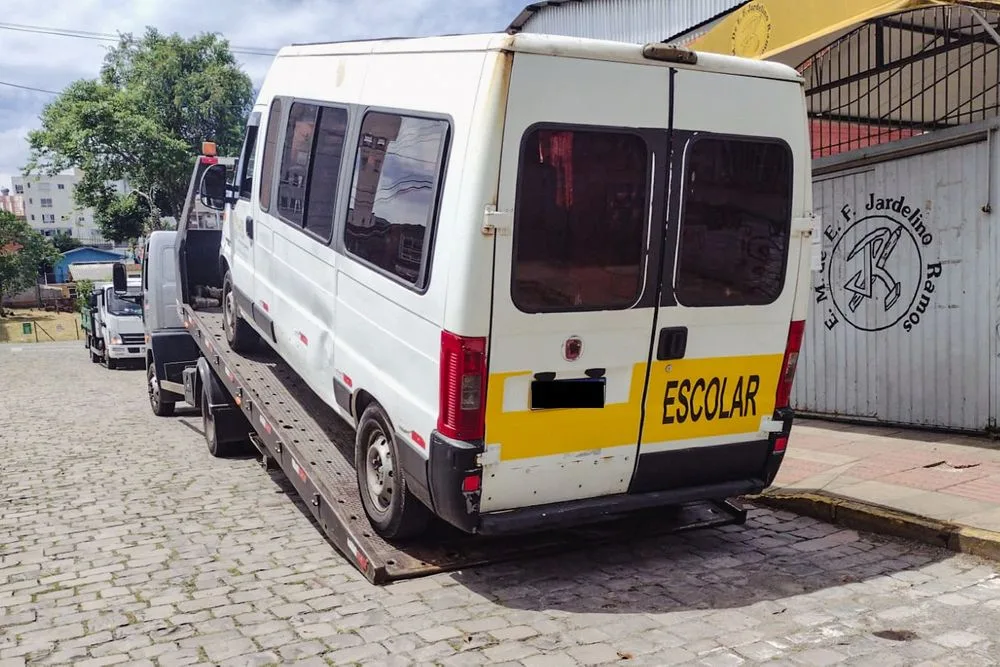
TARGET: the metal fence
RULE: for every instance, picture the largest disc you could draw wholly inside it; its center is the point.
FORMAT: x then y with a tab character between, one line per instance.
903	75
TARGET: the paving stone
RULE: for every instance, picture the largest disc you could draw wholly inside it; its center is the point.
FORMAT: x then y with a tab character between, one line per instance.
438	633
958	639
594	654
819	657
366	653
559	660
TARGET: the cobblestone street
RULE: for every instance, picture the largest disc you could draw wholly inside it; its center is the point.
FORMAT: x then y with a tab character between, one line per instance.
123	541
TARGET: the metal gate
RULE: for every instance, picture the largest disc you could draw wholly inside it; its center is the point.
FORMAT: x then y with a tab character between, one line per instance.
905	314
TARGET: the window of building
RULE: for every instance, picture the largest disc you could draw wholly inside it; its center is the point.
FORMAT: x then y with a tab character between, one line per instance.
31	200
18	189
580	223
48	217
61	186
270	151
394	192
247	162
46	202
32	216
735	222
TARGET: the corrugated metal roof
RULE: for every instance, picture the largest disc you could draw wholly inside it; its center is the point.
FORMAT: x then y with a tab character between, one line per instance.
637	21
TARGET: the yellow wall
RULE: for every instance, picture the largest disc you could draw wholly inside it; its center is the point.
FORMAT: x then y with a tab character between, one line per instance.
765	28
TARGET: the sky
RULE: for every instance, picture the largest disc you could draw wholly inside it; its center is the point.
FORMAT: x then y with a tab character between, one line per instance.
50	62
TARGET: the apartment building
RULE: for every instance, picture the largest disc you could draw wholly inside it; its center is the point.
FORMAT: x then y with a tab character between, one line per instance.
49	206
11	203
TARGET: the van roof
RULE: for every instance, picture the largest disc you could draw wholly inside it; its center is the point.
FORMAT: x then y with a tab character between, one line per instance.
553	45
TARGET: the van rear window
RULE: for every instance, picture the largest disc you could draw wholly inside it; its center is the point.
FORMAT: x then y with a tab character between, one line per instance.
580	220
735	222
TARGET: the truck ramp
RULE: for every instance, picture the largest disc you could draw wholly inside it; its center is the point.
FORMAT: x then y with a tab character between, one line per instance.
298	432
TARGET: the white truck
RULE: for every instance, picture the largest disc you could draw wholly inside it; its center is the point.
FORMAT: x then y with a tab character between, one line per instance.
113	325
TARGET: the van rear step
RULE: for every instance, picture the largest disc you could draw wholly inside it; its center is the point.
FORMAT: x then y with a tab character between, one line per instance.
297	432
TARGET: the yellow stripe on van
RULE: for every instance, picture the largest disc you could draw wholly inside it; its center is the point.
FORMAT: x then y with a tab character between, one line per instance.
698	398
688	398
527	433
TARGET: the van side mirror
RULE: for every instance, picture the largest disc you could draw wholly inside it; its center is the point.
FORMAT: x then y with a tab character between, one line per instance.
119	278
92	300
212	188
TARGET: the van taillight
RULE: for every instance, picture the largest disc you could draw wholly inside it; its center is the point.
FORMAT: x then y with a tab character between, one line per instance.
795	331
463	387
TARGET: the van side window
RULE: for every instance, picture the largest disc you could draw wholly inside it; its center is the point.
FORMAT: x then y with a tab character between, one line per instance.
310	166
393	202
324	174
294	171
270	150
580	220
735	222
246	164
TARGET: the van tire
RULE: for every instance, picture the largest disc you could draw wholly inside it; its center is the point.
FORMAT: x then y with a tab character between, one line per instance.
160	407
240	335
395	513
111	363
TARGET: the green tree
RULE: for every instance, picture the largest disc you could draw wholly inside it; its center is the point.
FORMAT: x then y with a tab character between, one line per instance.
123	218
84	288
63	242
143	120
22	252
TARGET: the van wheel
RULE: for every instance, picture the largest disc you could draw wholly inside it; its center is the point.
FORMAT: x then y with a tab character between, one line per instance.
161	408
393	511
112	363
240	336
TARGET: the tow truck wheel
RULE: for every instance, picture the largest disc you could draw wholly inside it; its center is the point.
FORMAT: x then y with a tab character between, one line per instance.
393	511
112	363
239	335
161	408
215	447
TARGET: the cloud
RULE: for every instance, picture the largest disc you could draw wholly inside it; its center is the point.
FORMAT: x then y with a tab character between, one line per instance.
51	62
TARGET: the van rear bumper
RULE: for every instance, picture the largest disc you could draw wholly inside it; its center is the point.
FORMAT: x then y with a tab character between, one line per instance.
662	479
592	510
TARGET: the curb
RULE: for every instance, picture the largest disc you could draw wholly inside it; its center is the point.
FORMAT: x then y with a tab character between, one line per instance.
883	520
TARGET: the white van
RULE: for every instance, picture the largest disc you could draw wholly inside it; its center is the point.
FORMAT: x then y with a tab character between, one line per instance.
546	278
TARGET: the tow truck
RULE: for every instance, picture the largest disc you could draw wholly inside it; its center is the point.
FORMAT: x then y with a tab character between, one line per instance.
257	399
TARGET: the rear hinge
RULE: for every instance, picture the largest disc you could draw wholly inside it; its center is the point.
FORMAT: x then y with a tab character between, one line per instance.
497	223
490	456
769	425
807	225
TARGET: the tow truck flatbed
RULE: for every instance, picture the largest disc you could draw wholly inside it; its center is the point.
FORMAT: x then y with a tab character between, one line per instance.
295	431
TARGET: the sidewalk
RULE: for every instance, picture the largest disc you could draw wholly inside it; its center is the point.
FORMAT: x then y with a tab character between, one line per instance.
940	488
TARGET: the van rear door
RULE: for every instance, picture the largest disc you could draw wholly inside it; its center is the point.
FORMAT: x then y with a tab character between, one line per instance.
576	276
643	295
730	277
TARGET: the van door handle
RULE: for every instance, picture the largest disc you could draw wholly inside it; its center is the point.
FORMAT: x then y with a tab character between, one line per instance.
672	343
248	225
